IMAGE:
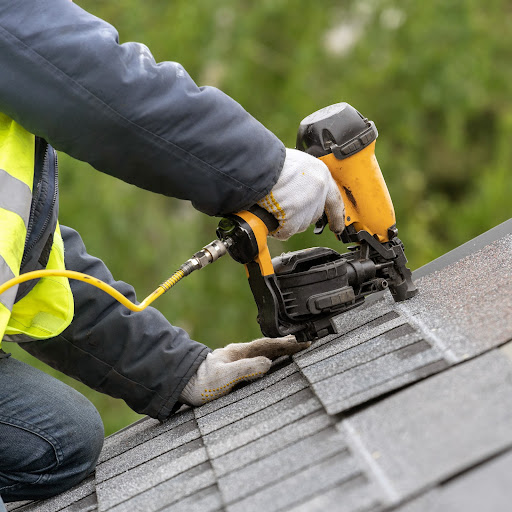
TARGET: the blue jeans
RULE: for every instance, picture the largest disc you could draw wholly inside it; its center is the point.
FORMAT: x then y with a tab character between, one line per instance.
50	435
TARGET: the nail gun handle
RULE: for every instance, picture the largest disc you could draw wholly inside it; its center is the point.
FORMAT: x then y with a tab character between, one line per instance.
247	232
268	219
260	223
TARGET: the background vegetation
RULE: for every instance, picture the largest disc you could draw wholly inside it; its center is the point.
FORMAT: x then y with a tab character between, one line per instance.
434	76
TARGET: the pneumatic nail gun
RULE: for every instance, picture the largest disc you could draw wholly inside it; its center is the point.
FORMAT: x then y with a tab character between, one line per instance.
301	292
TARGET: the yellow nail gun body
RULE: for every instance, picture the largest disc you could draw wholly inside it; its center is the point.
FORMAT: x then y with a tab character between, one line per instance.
300	292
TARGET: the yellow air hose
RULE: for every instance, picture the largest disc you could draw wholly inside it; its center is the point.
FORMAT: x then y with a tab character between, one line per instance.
71	274
208	254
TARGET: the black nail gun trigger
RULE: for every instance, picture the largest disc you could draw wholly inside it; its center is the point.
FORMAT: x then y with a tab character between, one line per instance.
320	224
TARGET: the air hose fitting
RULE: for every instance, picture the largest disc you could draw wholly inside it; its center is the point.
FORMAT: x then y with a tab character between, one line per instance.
208	254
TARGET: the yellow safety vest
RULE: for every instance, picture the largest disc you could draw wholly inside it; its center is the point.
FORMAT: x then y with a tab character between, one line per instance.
48	308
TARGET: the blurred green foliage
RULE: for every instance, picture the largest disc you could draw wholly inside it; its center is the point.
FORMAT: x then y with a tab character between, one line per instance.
434	76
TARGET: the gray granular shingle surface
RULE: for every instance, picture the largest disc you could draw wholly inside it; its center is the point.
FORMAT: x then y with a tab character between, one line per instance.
370	360
266	445
281	463
304	485
150	474
262	423
84	491
481	489
460	421
464	301
252	404
142	453
408	408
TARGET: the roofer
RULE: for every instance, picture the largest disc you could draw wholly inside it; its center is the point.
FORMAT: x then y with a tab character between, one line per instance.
66	81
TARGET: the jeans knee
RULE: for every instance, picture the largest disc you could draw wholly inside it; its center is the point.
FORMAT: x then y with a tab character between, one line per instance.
26	451
51	436
39	463
80	447
85	444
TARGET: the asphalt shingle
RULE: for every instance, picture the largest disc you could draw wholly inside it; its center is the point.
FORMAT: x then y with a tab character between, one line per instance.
281	463
141	432
83	494
169	492
285	436
379	376
384	354
140	453
278	372
204	500
446	424
467	306
485	488
150	474
353	495
87	504
251	404
259	424
301	486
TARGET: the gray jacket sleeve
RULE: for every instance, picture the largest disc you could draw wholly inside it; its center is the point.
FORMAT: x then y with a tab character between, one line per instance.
65	77
139	357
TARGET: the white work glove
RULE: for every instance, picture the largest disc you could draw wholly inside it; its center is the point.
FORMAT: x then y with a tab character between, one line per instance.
304	190
225	367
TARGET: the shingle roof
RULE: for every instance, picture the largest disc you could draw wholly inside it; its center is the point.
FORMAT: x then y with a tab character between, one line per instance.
407	408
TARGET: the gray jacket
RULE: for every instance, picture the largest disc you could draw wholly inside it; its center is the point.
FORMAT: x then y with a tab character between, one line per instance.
65	78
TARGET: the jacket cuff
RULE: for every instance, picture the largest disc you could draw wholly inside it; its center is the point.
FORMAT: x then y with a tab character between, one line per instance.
172	404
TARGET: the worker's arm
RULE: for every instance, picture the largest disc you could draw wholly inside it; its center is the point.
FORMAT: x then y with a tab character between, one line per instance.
64	77
139	357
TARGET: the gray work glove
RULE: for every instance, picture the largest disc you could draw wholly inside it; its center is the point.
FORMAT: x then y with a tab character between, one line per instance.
304	190
225	367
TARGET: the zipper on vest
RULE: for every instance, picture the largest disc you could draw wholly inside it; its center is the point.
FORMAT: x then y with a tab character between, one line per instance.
30	225
49	213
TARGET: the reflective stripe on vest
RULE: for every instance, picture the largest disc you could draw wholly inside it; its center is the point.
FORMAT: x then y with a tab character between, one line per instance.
48	308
